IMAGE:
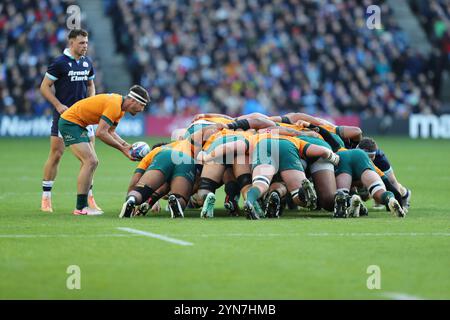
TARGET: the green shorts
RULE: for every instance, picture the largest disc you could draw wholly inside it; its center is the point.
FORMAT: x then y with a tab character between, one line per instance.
227	160
354	162
72	133
174	164
281	154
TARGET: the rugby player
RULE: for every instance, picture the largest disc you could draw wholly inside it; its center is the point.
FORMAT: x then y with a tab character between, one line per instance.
106	110
171	164
69	78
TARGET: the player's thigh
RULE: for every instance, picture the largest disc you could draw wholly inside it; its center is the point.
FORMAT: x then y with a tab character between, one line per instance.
56	146
153	179
213	171
324	182
344	180
182	186
293	179
84	152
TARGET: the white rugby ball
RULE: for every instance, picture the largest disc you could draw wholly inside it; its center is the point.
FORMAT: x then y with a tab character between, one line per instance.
139	150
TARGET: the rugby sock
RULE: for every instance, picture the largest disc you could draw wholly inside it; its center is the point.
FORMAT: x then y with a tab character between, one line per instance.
385	197
47	188
232	190
82	201
253	194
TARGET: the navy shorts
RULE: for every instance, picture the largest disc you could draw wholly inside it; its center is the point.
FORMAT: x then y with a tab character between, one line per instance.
381	161
55	131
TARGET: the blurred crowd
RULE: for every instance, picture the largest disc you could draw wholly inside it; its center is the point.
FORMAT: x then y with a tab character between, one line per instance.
434	16
32	33
241	56
272	56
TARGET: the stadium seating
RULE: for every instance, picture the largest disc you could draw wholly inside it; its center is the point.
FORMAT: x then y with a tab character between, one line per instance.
272	56
32	33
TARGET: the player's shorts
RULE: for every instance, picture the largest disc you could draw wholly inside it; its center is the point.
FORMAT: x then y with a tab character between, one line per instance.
56	133
382	162
227	160
72	133
354	162
174	164
281	154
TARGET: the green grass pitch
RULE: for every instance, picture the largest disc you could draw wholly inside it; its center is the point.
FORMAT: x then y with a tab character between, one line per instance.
300	256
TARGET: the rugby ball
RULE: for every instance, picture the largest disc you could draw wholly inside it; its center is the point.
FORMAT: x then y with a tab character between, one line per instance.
139	150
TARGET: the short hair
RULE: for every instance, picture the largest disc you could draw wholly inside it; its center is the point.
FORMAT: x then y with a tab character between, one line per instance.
77	32
139	94
368	144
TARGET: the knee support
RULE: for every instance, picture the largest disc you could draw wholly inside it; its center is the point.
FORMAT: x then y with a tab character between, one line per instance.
244	180
180	196
208	184
375	187
232	189
145	192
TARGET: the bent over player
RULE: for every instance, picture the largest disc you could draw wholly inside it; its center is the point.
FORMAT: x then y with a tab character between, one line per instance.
105	110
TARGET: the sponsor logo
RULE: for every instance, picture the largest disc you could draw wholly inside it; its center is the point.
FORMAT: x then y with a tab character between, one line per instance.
70	64
429	126
78	75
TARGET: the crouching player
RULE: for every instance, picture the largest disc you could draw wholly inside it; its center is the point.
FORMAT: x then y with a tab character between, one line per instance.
355	166
172	163
105	110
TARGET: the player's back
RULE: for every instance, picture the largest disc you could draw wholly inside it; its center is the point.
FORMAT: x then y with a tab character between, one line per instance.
90	110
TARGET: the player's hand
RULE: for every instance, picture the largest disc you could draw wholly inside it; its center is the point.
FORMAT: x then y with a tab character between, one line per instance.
333	158
126	151
198	117
156	207
203	157
61	108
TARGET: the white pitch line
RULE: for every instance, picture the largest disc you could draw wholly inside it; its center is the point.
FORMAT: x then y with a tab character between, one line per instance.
401	296
381	234
14	236
157	236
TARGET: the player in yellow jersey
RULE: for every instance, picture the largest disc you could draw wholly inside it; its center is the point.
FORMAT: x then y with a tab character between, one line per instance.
106	110
173	164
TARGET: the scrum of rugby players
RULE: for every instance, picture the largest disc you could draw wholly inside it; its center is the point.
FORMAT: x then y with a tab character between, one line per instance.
269	161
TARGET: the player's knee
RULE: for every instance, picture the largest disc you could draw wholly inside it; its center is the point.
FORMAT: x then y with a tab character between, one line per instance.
91	162
56	155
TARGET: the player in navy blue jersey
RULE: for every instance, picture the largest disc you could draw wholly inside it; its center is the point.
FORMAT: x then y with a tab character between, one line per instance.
381	161
69	78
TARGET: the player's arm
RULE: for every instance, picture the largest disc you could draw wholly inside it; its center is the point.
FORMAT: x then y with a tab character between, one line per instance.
295	116
250	123
281	131
48	92
103	133
135	178
254	115
312	150
90	88
210	115
352	135
112	131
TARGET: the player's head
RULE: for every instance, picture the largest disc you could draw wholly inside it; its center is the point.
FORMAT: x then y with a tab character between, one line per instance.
136	100
369	146
78	41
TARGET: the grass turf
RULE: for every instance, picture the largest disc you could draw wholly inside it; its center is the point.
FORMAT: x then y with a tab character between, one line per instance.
300	256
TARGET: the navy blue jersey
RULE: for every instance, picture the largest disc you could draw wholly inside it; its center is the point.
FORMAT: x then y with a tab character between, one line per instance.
70	77
381	161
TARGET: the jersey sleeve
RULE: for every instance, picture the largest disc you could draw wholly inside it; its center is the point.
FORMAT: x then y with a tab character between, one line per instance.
112	113
54	70
146	161
91	75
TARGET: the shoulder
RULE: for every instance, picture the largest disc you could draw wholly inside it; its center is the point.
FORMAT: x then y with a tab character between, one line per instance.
59	60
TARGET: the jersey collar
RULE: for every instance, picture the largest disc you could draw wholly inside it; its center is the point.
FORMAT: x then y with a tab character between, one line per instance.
67	53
